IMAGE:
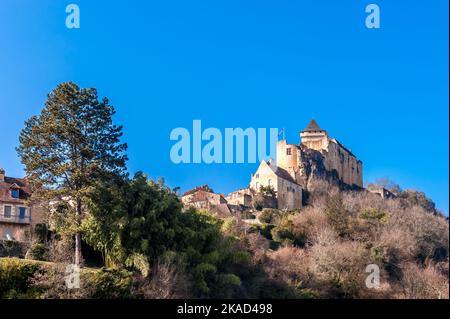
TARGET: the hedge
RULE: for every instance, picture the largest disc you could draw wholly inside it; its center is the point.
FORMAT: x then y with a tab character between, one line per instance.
16	275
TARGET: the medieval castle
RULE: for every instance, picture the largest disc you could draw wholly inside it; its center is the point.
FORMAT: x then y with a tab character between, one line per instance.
317	156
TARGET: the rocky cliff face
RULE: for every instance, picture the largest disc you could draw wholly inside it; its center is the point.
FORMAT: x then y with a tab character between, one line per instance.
312	169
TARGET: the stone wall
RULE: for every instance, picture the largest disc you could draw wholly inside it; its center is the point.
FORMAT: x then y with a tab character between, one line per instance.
240	197
289	195
20	229
18	232
288	156
344	162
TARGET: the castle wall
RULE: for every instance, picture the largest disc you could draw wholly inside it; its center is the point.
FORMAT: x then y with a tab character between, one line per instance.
240	197
336	156
315	140
348	167
289	195
359	178
288	157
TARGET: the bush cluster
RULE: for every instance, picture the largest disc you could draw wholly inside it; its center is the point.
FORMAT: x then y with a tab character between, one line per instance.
326	246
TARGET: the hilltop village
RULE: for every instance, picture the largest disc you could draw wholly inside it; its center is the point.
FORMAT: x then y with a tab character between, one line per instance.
303	227
316	157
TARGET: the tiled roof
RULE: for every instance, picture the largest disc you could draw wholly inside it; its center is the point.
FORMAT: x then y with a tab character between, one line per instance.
312	127
282	173
11	182
205	188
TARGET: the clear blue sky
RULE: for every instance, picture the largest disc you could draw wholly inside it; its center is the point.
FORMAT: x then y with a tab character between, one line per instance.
233	63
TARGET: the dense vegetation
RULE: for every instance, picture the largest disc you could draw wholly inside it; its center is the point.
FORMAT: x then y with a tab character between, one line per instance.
323	249
155	250
150	247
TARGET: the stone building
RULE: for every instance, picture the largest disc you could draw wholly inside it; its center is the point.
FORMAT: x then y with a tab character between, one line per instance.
17	218
335	157
289	193
316	157
380	190
240	197
203	197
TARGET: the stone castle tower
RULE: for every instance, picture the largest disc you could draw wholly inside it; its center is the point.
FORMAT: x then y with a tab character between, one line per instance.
315	143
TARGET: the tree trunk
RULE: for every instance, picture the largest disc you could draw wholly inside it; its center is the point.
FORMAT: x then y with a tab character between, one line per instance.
78	235
77	249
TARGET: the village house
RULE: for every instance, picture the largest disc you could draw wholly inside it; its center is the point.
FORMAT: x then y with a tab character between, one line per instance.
203	197
289	193
17	218
240	197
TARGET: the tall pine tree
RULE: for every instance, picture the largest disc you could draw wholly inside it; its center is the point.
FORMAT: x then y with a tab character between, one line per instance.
70	147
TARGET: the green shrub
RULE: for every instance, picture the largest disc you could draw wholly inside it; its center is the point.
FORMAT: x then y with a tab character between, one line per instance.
265	198
373	215
14	276
11	248
269	215
337	214
41	231
36	252
264	230
283	236
109	283
287	234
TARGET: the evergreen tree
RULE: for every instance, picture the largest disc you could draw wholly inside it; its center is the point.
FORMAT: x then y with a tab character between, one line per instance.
71	146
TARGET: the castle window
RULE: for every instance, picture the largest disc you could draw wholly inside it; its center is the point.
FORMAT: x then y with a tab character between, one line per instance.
14	193
257	176
288	151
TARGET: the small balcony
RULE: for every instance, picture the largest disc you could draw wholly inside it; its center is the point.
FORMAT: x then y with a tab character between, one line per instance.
15	219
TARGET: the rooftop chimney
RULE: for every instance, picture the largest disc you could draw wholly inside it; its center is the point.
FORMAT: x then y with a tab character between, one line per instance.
2	175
